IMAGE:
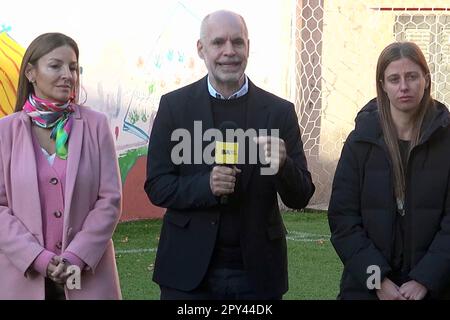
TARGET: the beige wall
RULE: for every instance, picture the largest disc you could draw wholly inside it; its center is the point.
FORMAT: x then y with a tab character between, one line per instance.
353	37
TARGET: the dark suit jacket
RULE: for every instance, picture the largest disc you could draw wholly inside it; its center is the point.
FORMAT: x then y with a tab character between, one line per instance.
190	224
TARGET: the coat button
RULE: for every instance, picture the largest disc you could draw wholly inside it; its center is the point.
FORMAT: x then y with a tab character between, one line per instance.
59	245
57	214
54	181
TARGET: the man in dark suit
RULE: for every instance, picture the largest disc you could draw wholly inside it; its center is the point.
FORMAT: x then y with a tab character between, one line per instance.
209	249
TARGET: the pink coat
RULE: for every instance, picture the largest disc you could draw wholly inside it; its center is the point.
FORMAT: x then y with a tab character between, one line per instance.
92	207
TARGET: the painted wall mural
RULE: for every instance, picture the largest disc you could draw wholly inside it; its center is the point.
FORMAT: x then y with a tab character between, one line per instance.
129	57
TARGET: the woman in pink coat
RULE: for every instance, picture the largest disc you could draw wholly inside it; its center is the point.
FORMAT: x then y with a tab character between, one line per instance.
60	191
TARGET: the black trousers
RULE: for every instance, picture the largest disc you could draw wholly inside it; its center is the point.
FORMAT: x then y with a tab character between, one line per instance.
54	291
219	284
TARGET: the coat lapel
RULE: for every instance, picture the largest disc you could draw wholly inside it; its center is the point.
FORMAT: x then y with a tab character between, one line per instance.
30	166
73	161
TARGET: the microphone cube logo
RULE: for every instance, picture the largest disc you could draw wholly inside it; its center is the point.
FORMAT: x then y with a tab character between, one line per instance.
227	152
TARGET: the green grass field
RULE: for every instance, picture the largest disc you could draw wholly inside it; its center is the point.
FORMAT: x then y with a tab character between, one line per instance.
314	268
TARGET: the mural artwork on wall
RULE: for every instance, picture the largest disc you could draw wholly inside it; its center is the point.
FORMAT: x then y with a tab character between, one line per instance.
129	57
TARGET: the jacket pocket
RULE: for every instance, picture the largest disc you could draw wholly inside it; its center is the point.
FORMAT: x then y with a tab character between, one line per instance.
277	231
177	219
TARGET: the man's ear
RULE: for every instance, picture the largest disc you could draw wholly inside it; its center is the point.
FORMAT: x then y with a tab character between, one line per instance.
30	72
248	48
200	49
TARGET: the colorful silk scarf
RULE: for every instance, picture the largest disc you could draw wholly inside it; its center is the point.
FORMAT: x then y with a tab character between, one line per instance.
48	114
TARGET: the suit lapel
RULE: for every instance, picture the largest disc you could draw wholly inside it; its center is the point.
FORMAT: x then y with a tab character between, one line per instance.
201	103
257	117
200	110
73	161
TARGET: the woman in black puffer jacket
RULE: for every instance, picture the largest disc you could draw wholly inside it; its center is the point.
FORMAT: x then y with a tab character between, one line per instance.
389	211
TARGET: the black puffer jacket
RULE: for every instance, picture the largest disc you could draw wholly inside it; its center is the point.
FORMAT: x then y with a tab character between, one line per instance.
362	207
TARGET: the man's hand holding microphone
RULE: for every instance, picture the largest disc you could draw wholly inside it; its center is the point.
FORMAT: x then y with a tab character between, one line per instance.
222	180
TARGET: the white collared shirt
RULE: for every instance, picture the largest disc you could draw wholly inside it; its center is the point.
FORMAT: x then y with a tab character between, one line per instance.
50	157
242	91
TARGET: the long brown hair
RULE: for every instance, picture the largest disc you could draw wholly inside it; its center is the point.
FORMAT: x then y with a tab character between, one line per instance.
393	52
39	47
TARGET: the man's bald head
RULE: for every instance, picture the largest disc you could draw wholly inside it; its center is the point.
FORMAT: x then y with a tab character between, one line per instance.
221	16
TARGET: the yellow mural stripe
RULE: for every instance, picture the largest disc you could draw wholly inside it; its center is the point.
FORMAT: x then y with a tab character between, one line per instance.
15	51
7	100
11	83
5	103
11	86
11	54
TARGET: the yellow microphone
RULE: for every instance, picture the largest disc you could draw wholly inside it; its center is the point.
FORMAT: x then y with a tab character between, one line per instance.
227	150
